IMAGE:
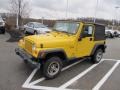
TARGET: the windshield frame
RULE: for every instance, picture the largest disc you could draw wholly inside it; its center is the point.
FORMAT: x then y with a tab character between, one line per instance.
54	29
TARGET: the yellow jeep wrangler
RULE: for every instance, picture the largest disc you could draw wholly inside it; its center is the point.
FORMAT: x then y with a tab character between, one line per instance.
67	40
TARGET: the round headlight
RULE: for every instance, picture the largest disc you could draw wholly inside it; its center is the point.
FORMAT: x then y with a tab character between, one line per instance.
22	41
33	47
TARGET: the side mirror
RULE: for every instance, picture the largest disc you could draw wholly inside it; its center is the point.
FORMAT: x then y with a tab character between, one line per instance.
80	38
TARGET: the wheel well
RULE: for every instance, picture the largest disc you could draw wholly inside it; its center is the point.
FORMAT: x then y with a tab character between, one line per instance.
61	55
101	47
35	31
98	47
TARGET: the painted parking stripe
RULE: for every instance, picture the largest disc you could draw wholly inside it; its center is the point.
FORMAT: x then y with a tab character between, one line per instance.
102	81
67	75
45	88
93	77
65	68
111	59
78	76
27	82
113	82
30	77
32	85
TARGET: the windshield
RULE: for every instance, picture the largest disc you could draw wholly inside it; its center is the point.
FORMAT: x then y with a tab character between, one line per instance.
68	27
39	25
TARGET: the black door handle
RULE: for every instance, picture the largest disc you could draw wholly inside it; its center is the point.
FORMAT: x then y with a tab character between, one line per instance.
91	39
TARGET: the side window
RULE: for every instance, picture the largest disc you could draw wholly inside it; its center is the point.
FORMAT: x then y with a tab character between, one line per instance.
28	24
31	25
88	31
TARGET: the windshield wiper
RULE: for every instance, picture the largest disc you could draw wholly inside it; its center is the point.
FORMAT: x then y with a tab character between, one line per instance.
65	32
58	31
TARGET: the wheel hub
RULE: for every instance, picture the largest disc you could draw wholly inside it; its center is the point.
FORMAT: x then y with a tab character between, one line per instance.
53	68
99	56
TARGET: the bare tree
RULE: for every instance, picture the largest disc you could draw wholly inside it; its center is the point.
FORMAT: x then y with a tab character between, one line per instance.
20	8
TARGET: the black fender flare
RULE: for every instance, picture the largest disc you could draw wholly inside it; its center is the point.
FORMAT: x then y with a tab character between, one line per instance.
103	46
52	51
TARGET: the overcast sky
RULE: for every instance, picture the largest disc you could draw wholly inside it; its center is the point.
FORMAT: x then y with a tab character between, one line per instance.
76	8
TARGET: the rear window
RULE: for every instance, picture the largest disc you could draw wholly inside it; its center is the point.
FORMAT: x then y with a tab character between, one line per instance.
99	32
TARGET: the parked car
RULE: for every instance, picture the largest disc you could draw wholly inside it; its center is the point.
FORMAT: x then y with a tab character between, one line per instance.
36	28
67	41
116	33
110	33
2	26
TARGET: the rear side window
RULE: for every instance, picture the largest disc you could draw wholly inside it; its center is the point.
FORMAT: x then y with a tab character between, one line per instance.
99	32
30	25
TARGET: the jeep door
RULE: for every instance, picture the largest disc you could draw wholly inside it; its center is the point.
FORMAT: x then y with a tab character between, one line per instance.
86	41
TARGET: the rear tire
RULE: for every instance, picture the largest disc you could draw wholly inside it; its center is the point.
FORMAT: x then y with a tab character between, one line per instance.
35	32
52	67
96	58
25	32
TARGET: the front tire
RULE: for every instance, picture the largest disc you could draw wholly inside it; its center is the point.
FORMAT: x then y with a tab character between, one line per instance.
52	67
96	58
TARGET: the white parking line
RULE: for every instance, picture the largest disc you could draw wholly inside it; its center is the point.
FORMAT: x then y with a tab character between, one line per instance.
65	68
78	76
45	88
30	77
32	85
102	81
27	82
37	81
71	65
111	60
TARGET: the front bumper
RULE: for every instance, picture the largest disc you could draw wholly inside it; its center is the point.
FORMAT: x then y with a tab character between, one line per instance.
26	57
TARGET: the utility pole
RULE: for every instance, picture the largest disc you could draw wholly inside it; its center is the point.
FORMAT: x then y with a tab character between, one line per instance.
115	17
42	20
96	8
117	8
18	14
67	10
17	20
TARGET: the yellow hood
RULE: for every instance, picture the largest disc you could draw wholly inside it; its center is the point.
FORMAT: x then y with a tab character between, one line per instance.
52	40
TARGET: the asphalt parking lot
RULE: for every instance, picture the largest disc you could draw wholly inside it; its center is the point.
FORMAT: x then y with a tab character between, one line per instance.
81	75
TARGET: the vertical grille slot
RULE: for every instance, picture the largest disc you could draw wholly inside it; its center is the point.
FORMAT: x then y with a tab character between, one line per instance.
28	46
